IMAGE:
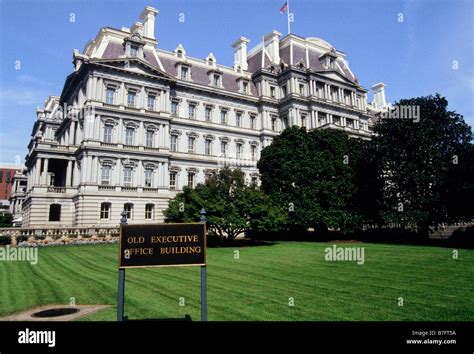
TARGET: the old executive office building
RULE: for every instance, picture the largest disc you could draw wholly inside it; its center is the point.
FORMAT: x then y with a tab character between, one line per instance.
134	123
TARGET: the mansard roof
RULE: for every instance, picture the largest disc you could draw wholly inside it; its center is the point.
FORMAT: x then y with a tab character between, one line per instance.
199	72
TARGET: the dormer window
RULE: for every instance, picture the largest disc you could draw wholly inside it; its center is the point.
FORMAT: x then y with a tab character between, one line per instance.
134	46
184	73
245	87
216	80
179	53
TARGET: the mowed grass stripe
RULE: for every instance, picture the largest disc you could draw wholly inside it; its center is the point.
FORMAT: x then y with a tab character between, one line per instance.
258	285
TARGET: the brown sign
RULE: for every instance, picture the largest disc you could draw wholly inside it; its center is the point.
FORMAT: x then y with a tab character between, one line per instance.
162	245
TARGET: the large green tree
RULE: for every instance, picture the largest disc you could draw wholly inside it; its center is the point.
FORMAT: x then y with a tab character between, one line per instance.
313	175
231	205
423	157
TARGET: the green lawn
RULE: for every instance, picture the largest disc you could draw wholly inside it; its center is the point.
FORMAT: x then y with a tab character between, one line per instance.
257	286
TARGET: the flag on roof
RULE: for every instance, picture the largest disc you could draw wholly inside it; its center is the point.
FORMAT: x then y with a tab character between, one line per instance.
284	7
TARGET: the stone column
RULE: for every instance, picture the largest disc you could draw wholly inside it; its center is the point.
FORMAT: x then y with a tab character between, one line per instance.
68	173
37	174
75	174
45	171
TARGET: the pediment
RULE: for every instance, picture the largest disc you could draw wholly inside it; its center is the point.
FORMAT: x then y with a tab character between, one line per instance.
335	75
135	65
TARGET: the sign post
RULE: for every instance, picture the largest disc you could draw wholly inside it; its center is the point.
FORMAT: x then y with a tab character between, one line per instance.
161	245
121	278
203	277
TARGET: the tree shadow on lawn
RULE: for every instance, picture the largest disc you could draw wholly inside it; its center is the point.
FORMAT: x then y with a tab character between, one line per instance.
215	242
458	239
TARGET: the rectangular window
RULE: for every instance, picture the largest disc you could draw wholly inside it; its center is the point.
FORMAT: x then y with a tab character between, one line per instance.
320	90
217	80
238	119
184	73
149	138
223	148
127	176
151	102
128	207
105	211
283	90
191	180
245	87
173	180
149	211
334	94
350	123
131	98
223	116
192	111
238	150
129	136
274	124
303	120
253	152
105	178
322	118
191	144
133	51
108	133
208	147
109	95
336	120
253	122
174	108
301	89
207	113
174	141
148	177
272	92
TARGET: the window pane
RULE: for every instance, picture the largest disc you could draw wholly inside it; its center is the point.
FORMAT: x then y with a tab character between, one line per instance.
131	99
129	136
174	107
151	102
149	138
108	133
110	96
191	144
127	176
174	142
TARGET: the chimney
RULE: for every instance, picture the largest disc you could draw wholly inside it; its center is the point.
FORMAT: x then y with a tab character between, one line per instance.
137	27
272	45
240	53
378	91
148	18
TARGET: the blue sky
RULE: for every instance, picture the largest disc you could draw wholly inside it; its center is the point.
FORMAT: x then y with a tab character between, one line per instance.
414	57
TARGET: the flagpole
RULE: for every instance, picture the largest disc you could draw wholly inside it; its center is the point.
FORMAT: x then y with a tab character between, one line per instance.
288	15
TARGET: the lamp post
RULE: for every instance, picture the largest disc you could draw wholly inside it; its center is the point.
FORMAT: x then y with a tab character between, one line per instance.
203	215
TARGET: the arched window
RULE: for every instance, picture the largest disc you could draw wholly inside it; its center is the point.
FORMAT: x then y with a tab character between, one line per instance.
55	212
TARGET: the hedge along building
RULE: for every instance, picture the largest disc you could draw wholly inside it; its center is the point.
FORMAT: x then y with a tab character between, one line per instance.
135	124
